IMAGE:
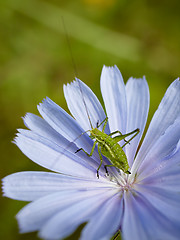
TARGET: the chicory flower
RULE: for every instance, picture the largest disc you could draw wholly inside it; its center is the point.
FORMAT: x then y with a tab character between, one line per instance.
142	205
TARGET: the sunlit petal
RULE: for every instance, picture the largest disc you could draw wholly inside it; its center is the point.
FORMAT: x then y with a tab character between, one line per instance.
66	221
167	112
84	105
137	93
29	186
109	219
114	96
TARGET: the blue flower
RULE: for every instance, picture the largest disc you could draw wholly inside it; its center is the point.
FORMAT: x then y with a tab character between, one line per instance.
143	205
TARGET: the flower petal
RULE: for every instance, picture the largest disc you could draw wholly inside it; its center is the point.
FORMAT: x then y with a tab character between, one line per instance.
137	93
143	221
114	96
161	150
105	222
166	201
64	124
166	175
66	221
34	215
42	128
166	114
53	157
82	102
29	186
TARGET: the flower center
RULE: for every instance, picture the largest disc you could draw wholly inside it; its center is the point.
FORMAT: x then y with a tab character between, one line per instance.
125	183
126	187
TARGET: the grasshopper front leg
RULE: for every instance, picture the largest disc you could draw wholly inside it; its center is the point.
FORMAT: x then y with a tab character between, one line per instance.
88	154
101	159
105	121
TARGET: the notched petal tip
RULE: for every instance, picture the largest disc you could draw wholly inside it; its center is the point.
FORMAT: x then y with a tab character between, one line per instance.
44	101
4	187
15	140
3	181
69	85
105	69
141	79
46	105
18	138
72	83
76	79
111	72
110	68
4	193
27	116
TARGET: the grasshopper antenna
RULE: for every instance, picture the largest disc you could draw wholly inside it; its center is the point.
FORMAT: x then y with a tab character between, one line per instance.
69	47
84	103
75	70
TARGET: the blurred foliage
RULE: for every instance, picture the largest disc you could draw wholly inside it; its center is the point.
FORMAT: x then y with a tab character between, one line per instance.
141	37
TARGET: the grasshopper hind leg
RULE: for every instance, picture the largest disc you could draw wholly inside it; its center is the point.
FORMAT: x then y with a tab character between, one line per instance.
117	235
101	159
106	170
108	165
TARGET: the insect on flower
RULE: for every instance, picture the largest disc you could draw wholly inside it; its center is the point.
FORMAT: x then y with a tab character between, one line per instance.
144	204
107	145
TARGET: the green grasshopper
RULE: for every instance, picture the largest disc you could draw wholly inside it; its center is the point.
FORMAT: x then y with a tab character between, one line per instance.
109	147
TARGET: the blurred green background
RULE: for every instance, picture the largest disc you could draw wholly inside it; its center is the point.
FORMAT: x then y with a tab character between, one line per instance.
141	37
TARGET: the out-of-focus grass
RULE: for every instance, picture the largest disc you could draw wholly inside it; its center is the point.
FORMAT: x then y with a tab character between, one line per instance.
140	37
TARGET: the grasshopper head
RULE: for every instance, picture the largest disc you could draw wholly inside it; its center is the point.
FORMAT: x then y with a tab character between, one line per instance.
92	136
93	133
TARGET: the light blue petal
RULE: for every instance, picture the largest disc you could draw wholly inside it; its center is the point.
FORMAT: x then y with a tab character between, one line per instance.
143	221
34	215
82	102
165	201
137	93
42	128
132	224
53	157
64	124
166	175
29	186
167	112
106	220
66	221
114	96
163	148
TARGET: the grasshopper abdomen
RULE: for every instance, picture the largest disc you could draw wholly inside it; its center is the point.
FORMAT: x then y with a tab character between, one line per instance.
111	149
